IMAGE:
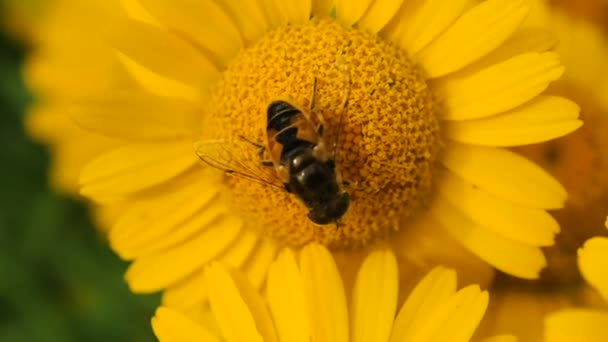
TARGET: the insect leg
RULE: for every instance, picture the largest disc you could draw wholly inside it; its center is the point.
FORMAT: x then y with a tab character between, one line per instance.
313	98
313	109
261	150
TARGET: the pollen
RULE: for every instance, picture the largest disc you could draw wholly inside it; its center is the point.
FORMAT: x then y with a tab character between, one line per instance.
388	135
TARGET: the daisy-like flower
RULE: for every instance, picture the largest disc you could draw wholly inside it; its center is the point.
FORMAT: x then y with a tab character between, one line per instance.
435	93
306	301
584	324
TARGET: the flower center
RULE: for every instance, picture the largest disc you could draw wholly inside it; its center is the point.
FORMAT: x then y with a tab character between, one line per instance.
388	131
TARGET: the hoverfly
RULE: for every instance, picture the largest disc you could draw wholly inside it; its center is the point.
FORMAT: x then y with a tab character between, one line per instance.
297	158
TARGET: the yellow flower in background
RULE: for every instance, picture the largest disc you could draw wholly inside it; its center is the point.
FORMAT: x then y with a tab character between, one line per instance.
595	11
579	162
437	91
584	324
306	301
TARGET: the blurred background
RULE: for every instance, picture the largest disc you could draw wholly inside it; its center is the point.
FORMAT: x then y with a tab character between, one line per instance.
59	281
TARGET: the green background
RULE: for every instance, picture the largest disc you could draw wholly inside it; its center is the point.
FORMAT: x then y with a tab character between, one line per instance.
58	279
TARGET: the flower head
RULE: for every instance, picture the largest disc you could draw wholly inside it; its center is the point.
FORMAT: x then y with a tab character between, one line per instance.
307	301
435	94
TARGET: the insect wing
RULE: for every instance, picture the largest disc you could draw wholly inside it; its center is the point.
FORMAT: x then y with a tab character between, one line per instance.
237	157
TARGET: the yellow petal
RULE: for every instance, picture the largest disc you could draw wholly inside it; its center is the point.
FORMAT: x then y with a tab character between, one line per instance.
239	252
452	318
530	226
159	85
49	124
135	167
286	299
204	22
349	12
475	34
525	39
322	8
505	174
514	258
162	236
592	259
432	291
158	221
158	271
157	50
260	260
379	14
137	115
192	292
189	294
171	326
272	13
577	325
458	319
295	12
70	158
135	11
231	312
257	307
420	21
481	93
544	118
249	18
375	297
324	294
70	58
500	338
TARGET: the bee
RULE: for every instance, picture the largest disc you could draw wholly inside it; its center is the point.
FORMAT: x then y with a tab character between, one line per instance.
295	158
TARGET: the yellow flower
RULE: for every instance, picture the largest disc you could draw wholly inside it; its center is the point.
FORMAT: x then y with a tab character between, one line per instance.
584	324
307	301
436	92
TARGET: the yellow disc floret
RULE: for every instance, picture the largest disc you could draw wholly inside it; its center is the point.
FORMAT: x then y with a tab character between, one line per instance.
389	138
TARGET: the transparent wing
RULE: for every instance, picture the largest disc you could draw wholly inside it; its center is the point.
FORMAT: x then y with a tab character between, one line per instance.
237	157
